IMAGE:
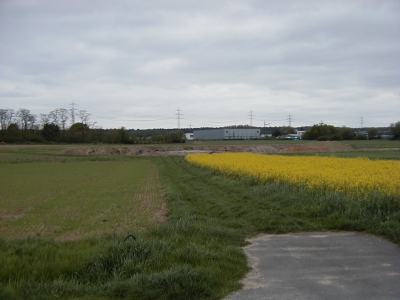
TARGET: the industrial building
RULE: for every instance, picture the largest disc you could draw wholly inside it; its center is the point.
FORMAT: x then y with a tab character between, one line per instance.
227	133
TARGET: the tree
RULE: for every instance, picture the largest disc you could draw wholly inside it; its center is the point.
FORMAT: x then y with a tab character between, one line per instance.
6	117
123	136
54	117
285	130
277	133
78	133
12	133
372	133
157	138
336	137
346	133
50	132
26	120
395	130
118	136
84	116
174	137
44	119
63	114
320	132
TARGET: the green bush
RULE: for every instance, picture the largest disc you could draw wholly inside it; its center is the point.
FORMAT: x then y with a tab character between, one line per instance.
336	137
324	132
323	138
361	137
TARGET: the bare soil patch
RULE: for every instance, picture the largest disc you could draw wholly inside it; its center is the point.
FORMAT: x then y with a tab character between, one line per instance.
161	215
198	147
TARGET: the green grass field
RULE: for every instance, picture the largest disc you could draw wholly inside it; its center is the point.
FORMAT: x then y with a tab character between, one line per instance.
374	143
64	219
69	200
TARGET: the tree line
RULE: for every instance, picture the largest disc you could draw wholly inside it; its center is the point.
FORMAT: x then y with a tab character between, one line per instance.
59	126
325	132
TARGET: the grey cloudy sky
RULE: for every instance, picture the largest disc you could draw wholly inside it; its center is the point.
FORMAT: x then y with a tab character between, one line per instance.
134	63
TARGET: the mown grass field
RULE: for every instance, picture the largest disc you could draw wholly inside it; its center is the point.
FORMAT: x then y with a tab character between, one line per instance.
71	200
68	249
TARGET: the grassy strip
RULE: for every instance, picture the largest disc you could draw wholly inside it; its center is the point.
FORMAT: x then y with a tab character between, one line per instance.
249	208
25	158
360	144
193	255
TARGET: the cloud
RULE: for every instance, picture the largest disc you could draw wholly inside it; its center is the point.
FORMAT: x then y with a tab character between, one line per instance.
127	61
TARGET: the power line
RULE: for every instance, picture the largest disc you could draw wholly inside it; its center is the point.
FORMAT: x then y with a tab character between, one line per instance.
179	114
290	119
73	112
251	115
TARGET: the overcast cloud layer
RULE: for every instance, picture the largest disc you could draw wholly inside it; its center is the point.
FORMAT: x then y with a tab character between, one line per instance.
134	63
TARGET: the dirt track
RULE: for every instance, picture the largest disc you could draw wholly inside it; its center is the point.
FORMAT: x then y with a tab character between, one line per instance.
195	148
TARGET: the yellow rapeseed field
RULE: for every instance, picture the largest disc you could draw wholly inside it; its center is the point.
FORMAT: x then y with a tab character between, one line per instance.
349	175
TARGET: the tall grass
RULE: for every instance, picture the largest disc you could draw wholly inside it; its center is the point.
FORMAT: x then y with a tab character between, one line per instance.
372	212
163	263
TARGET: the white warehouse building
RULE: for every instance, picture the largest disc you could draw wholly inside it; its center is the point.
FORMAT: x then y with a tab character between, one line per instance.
227	133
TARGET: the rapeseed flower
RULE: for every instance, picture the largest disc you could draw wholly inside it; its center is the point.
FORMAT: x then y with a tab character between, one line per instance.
348	175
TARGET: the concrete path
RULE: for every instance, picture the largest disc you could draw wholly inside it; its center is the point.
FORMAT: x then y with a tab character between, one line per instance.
321	265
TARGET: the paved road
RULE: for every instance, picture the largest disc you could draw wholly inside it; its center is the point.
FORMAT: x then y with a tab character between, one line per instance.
321	265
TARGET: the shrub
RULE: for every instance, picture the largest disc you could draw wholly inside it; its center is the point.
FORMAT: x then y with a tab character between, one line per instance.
323	138
336	137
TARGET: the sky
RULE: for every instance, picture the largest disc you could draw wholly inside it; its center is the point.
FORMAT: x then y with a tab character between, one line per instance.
160	64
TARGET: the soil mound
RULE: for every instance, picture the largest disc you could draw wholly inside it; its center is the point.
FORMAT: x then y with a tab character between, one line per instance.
198	147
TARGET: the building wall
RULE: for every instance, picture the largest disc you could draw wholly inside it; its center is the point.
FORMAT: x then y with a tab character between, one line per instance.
226	133
241	133
208	134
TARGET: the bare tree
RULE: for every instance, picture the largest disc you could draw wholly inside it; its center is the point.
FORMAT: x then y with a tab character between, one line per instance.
55	117
6	118
44	119
26	120
84	116
32	122
63	114
24	117
72	112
